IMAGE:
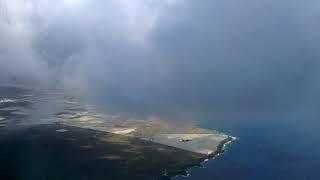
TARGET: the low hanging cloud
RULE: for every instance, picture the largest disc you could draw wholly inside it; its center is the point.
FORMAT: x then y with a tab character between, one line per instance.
17	57
69	30
170	56
244	55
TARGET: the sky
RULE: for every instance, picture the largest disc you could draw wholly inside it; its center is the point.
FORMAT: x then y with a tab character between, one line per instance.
168	56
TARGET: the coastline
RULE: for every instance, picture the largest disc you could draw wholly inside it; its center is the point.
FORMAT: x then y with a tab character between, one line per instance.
220	150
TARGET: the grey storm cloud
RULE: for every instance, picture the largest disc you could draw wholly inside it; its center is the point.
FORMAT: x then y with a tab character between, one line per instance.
168	56
247	54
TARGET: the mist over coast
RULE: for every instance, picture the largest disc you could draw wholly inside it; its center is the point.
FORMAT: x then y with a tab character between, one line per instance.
176	57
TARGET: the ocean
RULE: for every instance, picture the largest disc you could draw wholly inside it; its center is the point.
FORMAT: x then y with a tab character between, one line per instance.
268	147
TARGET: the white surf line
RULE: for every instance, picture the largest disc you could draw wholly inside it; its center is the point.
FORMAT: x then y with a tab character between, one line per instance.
123	131
6	100
61	130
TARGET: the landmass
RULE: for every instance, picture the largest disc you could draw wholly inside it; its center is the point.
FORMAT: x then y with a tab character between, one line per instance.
80	133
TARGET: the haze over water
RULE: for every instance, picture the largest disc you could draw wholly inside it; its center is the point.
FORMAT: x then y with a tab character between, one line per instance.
243	67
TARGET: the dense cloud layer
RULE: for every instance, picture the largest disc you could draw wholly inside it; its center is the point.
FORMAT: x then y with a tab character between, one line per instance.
247	54
170	56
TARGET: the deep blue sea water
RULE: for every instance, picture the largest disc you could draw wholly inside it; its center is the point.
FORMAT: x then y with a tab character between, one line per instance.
276	147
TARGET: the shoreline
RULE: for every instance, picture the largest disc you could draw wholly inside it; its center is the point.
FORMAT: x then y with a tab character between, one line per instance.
220	150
